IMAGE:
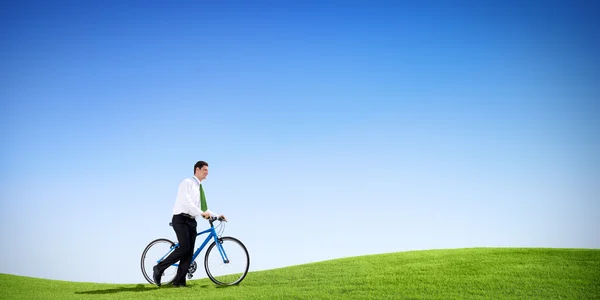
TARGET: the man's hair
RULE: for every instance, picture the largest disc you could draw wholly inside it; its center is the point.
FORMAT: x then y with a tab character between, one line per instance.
199	165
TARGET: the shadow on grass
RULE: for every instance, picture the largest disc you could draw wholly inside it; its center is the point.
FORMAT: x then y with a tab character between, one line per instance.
143	288
137	288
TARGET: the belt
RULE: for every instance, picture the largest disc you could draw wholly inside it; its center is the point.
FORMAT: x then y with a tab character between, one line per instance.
186	215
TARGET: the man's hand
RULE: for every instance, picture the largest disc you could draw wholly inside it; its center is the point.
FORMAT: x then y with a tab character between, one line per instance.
205	215
222	217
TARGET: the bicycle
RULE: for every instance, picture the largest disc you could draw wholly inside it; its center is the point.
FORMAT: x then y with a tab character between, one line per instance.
226	260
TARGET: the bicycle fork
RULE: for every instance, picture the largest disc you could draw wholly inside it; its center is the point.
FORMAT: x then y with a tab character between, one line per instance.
222	251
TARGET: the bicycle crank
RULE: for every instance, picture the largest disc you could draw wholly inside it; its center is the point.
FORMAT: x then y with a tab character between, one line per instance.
192	269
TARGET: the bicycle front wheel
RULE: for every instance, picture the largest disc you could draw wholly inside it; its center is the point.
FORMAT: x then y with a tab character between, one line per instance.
154	253
228	262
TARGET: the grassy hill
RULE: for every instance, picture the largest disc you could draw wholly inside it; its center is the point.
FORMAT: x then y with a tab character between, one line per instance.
478	273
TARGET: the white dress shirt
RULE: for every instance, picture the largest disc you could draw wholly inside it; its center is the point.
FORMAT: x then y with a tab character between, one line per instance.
188	198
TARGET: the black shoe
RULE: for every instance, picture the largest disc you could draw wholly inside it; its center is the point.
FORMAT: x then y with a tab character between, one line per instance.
156	275
178	285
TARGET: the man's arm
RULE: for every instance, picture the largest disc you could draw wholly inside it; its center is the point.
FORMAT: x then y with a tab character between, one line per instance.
208	213
185	189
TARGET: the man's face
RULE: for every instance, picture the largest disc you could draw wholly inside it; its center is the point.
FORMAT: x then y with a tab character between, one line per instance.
202	172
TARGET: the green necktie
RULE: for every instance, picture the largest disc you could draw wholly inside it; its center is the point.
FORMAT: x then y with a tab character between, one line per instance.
203	206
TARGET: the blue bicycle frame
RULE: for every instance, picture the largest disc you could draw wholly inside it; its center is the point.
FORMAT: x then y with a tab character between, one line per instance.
212	234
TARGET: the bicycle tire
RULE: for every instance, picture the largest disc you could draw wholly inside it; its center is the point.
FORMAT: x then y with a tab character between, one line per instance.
233	271
156	250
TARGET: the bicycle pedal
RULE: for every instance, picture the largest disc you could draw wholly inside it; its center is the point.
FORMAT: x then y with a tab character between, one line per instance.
189	276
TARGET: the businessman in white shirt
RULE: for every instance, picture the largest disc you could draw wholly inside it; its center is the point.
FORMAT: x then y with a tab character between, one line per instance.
189	205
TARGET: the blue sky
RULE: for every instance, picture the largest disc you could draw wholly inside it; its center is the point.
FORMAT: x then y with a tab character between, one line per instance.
332	129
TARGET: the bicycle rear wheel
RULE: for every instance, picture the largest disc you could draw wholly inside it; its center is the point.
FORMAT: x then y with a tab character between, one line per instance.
155	252
229	268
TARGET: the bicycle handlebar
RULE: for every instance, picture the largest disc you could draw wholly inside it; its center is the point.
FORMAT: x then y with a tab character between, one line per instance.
212	219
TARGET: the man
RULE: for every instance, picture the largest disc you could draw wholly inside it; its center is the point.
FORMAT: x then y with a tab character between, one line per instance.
189	204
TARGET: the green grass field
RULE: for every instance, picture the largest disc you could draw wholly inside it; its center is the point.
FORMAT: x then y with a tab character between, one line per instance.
477	273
